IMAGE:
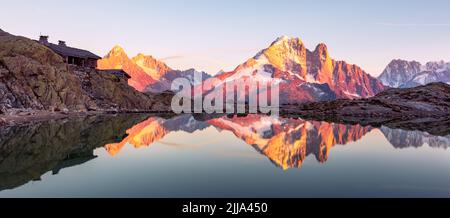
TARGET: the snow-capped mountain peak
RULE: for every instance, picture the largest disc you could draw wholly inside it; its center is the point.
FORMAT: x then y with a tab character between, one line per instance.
116	51
403	74
281	39
155	68
438	66
399	72
305	75
286	54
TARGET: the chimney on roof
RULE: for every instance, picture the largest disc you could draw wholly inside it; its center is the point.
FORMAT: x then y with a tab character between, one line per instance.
43	39
61	43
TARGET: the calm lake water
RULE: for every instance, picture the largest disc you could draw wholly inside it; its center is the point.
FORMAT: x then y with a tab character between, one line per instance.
253	156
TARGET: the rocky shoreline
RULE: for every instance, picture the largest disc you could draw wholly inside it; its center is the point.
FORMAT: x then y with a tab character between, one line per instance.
425	108
32	117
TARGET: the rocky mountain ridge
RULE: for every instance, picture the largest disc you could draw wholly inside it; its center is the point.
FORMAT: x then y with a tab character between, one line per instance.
34	78
304	75
147	73
425	108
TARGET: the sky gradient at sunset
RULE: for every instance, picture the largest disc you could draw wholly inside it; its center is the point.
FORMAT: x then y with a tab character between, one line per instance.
213	35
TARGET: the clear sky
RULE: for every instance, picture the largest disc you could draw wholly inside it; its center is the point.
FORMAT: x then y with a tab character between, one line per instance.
211	35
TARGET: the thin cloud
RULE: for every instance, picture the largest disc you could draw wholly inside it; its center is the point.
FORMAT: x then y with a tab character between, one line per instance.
221	51
414	24
207	62
241	50
173	57
199	58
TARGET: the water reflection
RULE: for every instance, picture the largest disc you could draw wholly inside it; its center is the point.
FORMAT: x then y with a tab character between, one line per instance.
28	152
405	139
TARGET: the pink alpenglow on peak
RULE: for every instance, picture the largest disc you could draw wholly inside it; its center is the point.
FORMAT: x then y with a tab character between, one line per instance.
305	75
147	73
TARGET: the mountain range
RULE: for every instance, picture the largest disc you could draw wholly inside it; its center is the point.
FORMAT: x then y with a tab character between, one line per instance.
147	73
304	75
407	74
35	78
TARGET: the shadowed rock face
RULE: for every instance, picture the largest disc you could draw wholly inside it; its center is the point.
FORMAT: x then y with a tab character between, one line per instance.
27	152
32	77
111	92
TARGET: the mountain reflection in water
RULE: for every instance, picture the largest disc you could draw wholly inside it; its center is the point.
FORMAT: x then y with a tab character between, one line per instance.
28	152
286	142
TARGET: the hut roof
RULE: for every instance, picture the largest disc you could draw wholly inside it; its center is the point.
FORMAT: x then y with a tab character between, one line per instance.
64	50
116	72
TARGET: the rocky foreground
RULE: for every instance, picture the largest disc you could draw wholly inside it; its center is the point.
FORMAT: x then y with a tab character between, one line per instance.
35	82
424	108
